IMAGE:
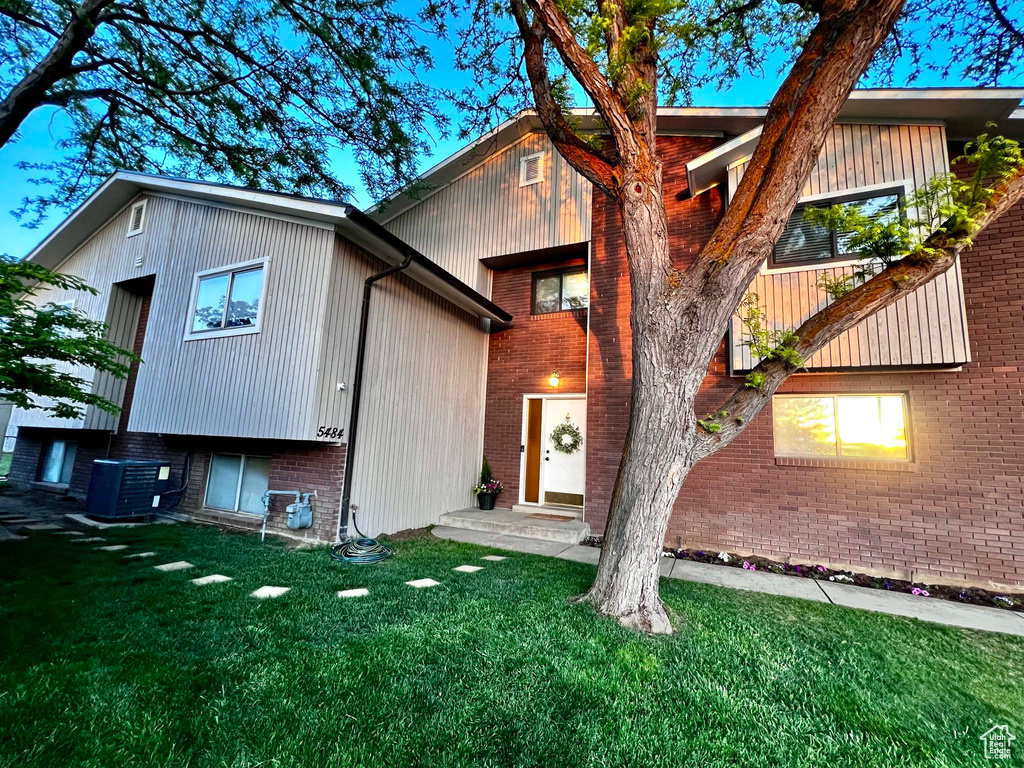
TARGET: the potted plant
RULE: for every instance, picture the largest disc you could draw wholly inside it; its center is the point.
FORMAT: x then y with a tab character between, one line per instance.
488	488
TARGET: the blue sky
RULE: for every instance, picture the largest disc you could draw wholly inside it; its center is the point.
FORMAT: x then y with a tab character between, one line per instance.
44	128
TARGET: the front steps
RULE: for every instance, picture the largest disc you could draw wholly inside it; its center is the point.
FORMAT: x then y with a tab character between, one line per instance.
510	522
550	509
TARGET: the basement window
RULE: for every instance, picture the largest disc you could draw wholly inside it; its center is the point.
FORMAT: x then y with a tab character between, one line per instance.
560	290
805	243
236	483
531	169
137	219
57	462
227	301
841	426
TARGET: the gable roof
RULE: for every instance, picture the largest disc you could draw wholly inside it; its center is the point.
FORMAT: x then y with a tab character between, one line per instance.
347	220
964	111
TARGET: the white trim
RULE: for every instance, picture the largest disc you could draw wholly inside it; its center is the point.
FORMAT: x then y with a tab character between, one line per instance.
141	207
525	181
544	397
229	269
902	185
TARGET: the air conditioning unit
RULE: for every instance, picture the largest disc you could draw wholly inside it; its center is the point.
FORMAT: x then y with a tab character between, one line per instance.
126	488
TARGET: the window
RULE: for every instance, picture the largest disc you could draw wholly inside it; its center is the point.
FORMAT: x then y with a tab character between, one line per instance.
560	290
227	301
136	219
803	242
58	460
531	169
237	483
841	426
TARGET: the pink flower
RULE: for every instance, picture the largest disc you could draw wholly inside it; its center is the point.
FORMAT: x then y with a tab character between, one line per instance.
746	565
924	593
753	567
915	591
821	568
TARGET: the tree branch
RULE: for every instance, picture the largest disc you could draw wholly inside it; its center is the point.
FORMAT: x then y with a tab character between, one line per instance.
587	160
892	283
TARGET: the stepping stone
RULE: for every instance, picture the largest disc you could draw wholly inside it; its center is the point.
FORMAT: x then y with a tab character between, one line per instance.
70	533
113	548
421	583
141	554
43	527
6	535
16	521
87	540
213	578
468	568
264	592
179	565
493	558
361	592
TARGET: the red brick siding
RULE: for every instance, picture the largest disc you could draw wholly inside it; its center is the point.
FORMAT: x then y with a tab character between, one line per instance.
520	360
957	514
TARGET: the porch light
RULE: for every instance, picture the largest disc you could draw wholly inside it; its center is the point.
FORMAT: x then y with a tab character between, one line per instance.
553	379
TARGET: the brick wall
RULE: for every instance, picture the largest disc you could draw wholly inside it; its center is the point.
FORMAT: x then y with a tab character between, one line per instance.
956	514
520	360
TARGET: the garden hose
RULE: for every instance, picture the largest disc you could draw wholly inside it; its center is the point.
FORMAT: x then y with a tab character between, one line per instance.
361	550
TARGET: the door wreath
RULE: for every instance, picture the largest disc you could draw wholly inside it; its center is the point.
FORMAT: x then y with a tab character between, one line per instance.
566	438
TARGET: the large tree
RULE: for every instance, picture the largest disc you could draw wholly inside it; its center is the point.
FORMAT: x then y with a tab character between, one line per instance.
623	54
259	92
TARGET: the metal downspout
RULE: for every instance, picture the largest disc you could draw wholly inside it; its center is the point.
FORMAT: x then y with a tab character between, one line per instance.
357	391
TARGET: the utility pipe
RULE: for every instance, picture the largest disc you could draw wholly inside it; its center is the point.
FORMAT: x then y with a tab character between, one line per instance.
357	391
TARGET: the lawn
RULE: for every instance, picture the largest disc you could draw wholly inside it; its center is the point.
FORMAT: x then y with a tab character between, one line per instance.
106	662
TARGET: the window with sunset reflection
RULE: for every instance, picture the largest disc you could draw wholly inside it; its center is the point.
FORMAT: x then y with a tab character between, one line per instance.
841	426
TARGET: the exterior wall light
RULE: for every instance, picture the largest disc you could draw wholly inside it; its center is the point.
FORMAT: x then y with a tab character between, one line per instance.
553	379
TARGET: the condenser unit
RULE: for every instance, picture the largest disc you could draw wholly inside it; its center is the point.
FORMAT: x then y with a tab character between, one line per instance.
126	488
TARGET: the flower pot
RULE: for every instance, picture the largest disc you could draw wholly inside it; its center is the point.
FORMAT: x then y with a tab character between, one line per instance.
486	500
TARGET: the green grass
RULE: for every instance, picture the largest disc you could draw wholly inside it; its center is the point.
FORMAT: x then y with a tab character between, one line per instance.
106	662
5	462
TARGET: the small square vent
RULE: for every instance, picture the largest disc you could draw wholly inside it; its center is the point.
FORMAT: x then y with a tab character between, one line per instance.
531	169
137	218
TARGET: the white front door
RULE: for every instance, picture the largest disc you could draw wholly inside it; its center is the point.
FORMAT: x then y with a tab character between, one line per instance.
563	475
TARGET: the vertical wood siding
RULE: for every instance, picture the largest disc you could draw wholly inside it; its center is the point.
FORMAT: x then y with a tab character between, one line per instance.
926	327
255	385
420	425
123	320
486	213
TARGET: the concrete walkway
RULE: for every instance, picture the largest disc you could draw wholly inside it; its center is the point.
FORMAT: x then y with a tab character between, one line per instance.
894	603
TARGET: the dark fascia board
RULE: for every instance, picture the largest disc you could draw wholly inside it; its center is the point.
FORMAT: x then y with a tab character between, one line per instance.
123	187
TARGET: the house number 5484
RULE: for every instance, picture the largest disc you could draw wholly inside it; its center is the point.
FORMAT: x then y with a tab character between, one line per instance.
334	433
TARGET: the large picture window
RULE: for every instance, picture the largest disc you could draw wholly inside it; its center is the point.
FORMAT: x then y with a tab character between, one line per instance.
806	243
227	301
841	426
560	290
237	483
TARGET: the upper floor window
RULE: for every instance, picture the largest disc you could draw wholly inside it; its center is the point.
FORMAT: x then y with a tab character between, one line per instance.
806	243
226	301
841	426
560	290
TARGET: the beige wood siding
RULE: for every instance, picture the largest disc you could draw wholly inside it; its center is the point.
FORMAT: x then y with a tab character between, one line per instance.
927	327
486	213
123	321
421	420
255	385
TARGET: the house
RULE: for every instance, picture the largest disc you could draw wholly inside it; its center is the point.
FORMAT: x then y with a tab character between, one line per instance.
898	452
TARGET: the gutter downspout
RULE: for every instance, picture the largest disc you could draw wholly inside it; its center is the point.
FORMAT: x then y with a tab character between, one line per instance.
357	391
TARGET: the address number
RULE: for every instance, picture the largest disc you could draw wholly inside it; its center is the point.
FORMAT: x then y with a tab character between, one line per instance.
334	433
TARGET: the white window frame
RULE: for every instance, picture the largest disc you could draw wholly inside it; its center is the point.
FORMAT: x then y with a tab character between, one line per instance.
838	457
903	187
230	269
142	218
523	181
238	486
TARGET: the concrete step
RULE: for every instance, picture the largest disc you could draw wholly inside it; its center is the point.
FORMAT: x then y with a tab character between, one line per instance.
511	523
550	509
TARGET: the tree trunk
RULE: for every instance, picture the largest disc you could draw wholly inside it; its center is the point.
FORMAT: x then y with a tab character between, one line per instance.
662	424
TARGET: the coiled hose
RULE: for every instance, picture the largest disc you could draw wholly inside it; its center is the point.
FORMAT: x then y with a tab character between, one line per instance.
361	550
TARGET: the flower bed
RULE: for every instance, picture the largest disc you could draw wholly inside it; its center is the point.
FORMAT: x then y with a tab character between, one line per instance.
970	595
